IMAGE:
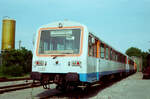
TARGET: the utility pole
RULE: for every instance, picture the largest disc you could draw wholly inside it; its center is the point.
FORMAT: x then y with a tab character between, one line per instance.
19	44
0	59
149	49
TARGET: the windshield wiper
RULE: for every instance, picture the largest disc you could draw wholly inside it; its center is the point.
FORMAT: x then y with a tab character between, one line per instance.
54	57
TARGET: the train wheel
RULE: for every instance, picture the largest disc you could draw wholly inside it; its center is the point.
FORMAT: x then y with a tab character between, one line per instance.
69	86
121	75
61	88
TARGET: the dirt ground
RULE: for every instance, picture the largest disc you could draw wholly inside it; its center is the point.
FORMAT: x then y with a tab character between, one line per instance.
132	87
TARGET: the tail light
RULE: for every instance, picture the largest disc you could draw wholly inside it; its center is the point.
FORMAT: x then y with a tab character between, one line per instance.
40	63
76	63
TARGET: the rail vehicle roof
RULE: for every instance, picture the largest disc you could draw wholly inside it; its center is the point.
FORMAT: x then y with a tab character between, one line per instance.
93	34
66	23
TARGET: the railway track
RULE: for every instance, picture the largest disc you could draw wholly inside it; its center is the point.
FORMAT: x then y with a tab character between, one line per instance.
4	89
17	79
26	83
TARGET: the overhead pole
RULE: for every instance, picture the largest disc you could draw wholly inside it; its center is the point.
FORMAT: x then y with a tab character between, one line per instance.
19	44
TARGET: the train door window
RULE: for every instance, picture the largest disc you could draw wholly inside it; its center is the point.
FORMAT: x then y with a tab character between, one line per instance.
116	57
107	53
95	48
102	50
92	47
90	51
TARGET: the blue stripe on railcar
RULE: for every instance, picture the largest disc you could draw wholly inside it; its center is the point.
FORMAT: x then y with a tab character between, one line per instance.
92	77
88	77
127	70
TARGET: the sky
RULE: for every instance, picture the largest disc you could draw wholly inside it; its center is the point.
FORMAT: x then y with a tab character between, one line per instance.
120	23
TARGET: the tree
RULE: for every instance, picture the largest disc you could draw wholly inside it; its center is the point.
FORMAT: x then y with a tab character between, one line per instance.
17	62
133	51
144	59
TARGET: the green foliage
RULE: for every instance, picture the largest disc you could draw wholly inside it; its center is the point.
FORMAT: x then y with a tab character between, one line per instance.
12	70
16	61
133	51
144	59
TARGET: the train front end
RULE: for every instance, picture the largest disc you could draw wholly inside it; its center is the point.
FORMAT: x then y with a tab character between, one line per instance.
59	55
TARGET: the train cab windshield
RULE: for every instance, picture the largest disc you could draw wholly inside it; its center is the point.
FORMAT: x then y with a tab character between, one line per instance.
61	41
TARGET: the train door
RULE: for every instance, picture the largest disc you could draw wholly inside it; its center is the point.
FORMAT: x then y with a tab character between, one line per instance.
92	60
127	65
98	59
98	68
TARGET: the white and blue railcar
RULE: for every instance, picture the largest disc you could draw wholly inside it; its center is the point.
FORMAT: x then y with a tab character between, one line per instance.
67	52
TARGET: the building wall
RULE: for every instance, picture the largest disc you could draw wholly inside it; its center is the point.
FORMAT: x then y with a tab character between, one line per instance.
138	61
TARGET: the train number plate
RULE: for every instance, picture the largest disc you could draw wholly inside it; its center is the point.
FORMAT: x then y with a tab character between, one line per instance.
41	68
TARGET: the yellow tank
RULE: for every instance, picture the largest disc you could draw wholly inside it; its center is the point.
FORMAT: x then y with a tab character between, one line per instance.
8	34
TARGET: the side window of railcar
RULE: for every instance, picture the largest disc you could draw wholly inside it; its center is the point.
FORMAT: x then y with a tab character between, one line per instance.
120	57
107	53
114	55
102	50
111	54
124	59
93	50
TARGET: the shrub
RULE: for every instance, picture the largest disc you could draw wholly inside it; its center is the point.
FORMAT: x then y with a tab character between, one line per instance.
18	57
12	70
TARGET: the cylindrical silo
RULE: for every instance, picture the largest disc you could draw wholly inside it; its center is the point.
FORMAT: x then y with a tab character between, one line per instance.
8	34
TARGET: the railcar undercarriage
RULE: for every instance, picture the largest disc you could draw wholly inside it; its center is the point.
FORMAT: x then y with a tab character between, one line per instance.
69	81
63	81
